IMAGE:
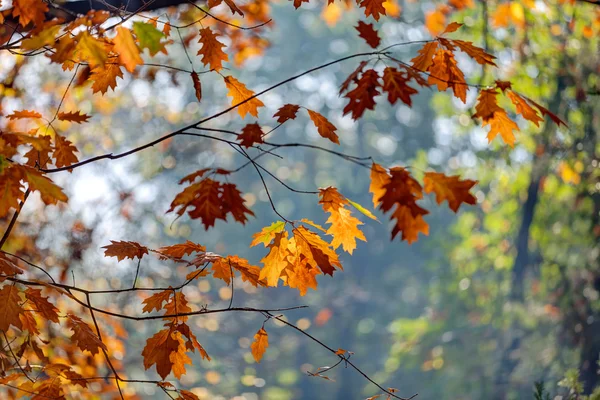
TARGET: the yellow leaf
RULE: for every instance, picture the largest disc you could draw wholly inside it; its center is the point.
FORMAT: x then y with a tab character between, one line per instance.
242	97
260	344
129	52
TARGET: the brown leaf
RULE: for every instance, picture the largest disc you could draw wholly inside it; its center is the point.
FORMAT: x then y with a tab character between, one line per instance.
286	112
123	250
361	98
211	51
83	336
10	307
325	128
251	134
449	188
197	85
367	32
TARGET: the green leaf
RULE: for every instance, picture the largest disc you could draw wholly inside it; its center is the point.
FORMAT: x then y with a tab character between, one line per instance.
362	210
149	37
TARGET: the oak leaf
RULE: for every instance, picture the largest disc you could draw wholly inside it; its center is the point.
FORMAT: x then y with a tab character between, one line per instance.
155	302
424	59
29	11
73	116
501	124
444	73
373	7
524	108
10	307
367	32
232	202
266	235
182	249
83	336
379	178
286	112
211	51
251	134
361	97
49	191
149	37
197	85
242	97
177	304
123	250
158	351
449	188
7	267
276	260
317	251
396	87
91	50
105	78
20	114
42	305
64	152
476	53
325	128
352	77
129	52
260	344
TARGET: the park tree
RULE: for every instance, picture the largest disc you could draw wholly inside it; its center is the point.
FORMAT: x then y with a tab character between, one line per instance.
64	337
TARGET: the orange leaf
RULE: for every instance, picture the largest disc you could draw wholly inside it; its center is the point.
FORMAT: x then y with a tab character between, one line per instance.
277	259
260	344
352	77
487	104
177	304
242	97
29	11
367	32
24	114
424	60
452	27
524	108
158	351
197	85
50	193
547	112
317	252
42	305
435	22
105	78
83	335
251	134
379	178
476	53
10	190
123	250
125	46
222	269
182	249
344	227
266	235
286	112
449	188
64	152
361	97
211	49
155	302
501	124
373	7
10	307
445	73
325	128
73	116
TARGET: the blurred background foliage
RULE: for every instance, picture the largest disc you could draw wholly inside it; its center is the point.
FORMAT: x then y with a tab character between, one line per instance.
500	296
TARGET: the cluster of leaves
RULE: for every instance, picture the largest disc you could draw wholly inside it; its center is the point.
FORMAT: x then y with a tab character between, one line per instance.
97	49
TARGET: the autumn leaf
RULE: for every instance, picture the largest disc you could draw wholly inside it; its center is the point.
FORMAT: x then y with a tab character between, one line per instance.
286	112
197	85
64	152
123	250
50	192
444	73
396	87
187	395
424	59
233	202
155	302
182	249
83	336
379	178
373	7
242	97
129	52
24	114
176	305
316	250
91	50
10	190
353	76
266	235
10	307
7	267
449	188
344	227
105	78
524	108
249	273
158	351
222	269
367	32
73	116
276	260
487	104
435	21
30	11
260	344
149	37
452	27
547	112
476	53
211	51
251	134
44	38
325	128
501	124
361	97
42	305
